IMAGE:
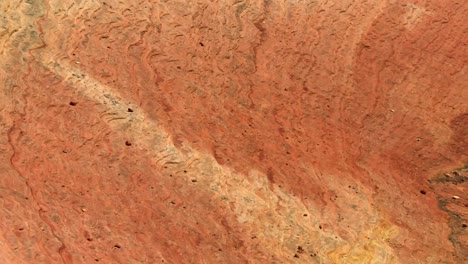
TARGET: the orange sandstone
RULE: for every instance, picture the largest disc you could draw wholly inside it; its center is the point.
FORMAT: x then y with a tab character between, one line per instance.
233	131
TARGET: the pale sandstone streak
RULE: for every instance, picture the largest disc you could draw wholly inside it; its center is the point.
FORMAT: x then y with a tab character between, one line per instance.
262	208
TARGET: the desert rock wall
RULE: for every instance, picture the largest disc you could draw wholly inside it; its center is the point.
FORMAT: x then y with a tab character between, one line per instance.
233	131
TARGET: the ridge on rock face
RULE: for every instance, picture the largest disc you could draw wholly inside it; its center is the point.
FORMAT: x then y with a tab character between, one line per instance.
233	131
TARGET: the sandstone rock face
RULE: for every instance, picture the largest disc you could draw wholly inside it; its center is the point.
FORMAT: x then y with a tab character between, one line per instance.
234	131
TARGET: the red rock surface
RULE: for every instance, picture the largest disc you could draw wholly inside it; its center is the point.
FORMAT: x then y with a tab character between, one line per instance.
233	131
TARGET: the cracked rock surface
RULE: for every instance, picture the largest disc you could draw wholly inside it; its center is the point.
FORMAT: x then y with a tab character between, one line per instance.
234	131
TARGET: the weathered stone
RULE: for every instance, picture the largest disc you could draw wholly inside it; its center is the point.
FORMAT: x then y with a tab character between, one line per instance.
233	131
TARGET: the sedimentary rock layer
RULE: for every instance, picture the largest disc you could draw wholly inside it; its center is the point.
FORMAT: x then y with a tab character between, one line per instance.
234	131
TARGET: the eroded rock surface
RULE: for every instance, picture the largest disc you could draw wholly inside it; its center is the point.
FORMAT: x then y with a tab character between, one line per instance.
233	131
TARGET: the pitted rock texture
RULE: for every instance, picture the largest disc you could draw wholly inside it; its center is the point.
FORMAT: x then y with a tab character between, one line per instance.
234	131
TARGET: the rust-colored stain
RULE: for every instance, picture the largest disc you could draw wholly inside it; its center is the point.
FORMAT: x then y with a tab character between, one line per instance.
233	131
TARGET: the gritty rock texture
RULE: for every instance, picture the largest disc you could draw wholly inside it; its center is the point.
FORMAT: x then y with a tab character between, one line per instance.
233	131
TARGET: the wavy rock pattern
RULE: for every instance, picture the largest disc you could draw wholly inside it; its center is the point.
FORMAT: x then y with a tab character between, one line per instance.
234	131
